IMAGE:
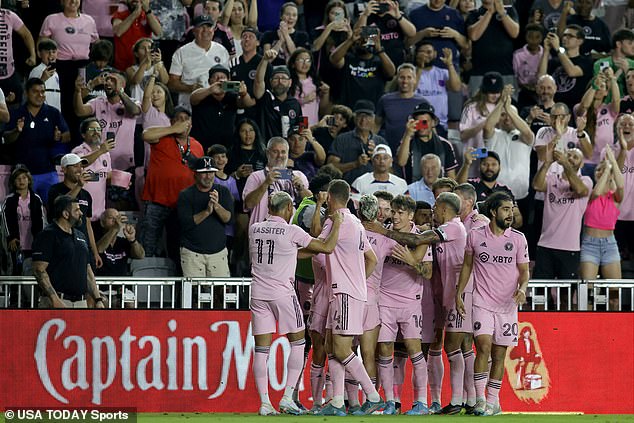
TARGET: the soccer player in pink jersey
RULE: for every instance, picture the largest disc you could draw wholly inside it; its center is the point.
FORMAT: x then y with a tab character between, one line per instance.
273	246
346	270
400	295
497	255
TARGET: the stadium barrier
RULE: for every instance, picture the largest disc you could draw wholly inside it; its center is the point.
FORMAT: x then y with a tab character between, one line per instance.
194	361
233	293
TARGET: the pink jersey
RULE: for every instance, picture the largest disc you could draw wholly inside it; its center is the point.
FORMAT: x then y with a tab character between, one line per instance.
627	206
495	272
255	179
604	132
24	222
100	12
155	118
345	266
113	118
563	214
97	189
474	220
273	246
450	256
9	22
321	290
526	65
382	247
471	117
400	283
73	35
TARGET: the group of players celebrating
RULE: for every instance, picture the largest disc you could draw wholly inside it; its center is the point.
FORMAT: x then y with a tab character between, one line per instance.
389	285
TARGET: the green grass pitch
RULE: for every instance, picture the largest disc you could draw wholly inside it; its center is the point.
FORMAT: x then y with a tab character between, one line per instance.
510	418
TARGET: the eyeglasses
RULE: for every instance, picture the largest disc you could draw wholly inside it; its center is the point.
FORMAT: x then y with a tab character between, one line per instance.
568	35
280	78
93	130
304	60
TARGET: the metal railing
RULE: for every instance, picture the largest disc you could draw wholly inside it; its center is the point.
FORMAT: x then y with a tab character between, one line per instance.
233	293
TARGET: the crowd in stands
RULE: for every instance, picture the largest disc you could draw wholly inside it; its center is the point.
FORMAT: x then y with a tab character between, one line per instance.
184	116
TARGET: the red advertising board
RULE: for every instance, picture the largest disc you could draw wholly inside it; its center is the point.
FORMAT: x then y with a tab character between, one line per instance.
164	360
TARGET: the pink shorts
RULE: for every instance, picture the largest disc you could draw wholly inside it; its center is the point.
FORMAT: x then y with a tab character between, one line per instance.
454	321
408	320
502	326
345	315
317	323
304	292
371	317
285	311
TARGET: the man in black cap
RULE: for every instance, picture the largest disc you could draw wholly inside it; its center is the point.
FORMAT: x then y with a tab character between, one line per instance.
278	111
351	151
420	138
203	211
247	65
214	108
487	183
192	61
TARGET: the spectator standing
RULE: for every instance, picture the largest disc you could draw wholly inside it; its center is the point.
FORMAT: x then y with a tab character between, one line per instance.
148	60
61	260
596	32
599	250
351	151
526	63
41	133
567	196
73	186
173	153
305	153
420	138
204	210
24	217
364	70
621	58
394	108
46	71
241	16
492	29
306	87
172	14
571	70
627	102
538	115
286	38
99	163
115	250
625	159
10	82
191	62
279	112
222	34
214	108
435	83
431	170
380	179
551	11
332	125
129	26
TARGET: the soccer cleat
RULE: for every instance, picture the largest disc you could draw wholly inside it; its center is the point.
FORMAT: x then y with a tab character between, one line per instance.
397	406
478	409
492	410
369	407
288	406
390	408
418	409
468	409
299	405
353	408
435	408
331	410
451	409
267	410
315	409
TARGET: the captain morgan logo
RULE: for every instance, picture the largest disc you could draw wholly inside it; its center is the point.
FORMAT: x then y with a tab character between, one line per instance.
526	368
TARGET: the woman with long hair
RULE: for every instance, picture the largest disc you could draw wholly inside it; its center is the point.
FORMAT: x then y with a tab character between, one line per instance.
312	94
147	59
239	15
600	115
286	39
248	153
334	31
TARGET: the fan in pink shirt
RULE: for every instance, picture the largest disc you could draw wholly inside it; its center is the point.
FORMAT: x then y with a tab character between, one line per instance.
346	270
400	299
497	256
273	246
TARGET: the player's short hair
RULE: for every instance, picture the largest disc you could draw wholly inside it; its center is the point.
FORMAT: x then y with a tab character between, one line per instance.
467	191
278	201
494	202
339	190
403	202
450	199
447	183
61	204
384	195
368	207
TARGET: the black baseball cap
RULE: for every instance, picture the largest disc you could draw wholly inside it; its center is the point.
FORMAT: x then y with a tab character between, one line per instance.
219	68
492	82
364	106
424	108
203	20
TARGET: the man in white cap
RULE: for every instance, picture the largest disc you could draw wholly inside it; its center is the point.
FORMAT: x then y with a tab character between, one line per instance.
380	179
73	185
203	211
